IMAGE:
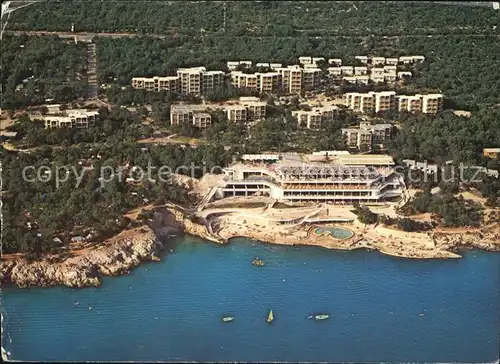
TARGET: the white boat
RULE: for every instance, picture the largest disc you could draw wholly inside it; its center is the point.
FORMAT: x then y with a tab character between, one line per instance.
228	319
319	317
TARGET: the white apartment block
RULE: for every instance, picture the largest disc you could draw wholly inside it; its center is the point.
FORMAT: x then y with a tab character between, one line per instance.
305	60
360	70
347	70
336	62
431	103
412	104
411	59
377	71
385	101
316	117
262	65
361	102
367	135
156	84
71	118
390	68
404	74
268	82
196	80
390	77
202	120
212	80
392	61
350	79
388	100
196	115
244	80
256	109
362	59
264	82
308	119
316	60
357	138
377	78
291	79
362	79
378	60
334	71
236	113
275	66
311	78
232	65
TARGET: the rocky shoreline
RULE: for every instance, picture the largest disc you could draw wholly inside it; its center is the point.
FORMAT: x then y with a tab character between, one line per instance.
84	268
130	248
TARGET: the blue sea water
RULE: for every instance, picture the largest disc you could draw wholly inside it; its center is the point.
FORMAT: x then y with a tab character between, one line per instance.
172	310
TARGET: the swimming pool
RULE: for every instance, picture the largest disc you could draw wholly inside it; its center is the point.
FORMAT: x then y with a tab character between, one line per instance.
335	232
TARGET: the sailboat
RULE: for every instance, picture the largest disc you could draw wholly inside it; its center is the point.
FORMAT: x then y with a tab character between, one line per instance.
270	317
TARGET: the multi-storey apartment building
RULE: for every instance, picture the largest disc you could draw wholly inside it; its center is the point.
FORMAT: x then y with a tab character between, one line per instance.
336	62
236	113
311	78
244	80
256	109
202	120
315	118
308	119
347	70
362	59
412	104
71	118
334	71
193	114
378	60
268	82
385	101
212	81
357	138
305	60
361	102
291	79
431	103
360	70
388	100
157	84
391	61
191	80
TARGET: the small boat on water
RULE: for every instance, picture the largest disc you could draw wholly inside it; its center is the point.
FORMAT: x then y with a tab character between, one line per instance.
227	319
270	317
320	317
258	262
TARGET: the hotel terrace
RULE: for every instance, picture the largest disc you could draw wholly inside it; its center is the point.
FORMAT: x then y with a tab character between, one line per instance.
388	100
337	179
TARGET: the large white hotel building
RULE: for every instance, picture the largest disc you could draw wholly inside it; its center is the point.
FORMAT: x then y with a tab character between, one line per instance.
343	178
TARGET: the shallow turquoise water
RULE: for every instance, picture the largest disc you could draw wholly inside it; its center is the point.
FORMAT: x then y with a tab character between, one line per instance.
172	310
336	232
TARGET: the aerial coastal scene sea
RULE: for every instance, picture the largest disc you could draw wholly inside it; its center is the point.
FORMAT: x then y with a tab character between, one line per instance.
381	309
250	181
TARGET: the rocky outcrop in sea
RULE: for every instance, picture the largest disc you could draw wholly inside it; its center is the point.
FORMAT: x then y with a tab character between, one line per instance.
84	268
